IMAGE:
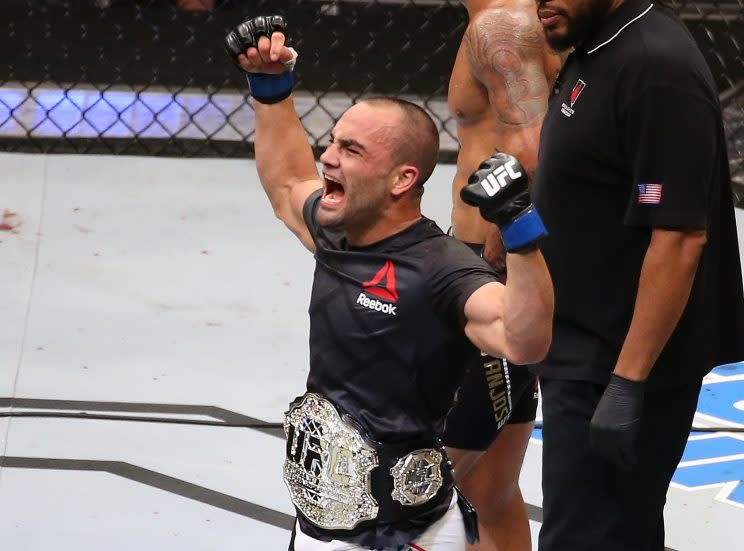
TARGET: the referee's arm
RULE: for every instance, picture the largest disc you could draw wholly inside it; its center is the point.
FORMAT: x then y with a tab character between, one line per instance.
683	163
666	280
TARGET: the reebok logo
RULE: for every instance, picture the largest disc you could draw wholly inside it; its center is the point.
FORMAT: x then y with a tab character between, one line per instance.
378	305
382	285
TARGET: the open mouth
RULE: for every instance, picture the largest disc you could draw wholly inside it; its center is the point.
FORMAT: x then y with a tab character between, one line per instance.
548	16
333	192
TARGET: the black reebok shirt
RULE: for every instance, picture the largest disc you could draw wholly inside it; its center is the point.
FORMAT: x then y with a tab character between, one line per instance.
386	330
632	141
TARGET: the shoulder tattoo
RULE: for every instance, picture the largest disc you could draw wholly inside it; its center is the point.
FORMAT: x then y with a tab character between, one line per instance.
505	52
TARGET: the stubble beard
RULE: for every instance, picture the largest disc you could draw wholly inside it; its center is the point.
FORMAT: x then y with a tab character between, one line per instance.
350	217
580	26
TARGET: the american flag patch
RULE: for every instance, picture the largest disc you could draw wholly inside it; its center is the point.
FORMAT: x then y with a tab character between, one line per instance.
649	194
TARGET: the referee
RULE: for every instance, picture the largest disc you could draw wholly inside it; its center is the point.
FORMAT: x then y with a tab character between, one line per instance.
634	187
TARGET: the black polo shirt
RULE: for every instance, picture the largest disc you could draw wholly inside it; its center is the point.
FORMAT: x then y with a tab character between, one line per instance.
633	140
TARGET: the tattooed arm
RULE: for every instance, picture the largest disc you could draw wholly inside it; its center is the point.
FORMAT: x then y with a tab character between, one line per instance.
505	53
498	95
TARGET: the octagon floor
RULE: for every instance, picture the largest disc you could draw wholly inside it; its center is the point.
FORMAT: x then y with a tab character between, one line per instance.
136	288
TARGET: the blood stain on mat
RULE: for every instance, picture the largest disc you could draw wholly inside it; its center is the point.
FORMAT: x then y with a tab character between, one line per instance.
10	221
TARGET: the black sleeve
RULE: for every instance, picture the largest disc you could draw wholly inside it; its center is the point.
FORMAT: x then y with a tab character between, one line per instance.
671	137
308	212
455	273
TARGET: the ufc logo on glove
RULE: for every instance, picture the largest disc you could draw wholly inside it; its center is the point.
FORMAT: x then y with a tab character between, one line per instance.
497	179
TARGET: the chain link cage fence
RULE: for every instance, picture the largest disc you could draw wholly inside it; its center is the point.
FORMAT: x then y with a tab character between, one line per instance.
150	77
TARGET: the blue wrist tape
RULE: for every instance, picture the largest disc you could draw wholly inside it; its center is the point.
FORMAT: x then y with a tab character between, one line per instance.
270	88
523	231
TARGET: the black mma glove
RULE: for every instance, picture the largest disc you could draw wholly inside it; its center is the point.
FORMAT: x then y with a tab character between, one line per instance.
265	88
613	430
499	189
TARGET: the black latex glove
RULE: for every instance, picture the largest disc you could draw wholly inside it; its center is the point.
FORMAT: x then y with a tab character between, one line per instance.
614	427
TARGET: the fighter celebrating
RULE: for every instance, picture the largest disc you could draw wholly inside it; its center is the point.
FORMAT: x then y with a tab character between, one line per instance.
395	306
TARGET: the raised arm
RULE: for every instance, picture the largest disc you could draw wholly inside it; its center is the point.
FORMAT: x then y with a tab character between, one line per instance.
284	158
512	320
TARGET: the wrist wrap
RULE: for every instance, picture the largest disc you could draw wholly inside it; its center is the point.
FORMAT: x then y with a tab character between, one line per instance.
523	232
270	88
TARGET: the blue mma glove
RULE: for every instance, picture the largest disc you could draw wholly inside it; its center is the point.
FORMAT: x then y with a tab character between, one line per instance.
499	189
265	88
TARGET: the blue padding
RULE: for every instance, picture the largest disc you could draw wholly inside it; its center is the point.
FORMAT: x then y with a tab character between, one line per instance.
270	86
527	228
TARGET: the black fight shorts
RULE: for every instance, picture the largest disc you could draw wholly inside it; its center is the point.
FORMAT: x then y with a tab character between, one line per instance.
493	394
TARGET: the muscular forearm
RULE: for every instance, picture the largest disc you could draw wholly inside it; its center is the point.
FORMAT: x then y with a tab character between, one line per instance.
663	290
520	320
284	159
528	308
514	321
283	155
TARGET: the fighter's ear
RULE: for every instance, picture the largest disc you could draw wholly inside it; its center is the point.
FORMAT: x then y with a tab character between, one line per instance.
405	178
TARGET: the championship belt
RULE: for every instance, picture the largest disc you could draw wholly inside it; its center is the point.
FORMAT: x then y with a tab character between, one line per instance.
417	477
329	464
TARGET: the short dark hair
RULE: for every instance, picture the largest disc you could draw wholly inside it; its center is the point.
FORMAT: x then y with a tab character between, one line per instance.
418	137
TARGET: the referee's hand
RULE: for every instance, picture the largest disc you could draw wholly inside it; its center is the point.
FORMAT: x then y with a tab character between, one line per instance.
613	431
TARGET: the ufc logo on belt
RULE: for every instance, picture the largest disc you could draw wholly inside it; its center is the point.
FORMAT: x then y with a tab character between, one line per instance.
497	179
